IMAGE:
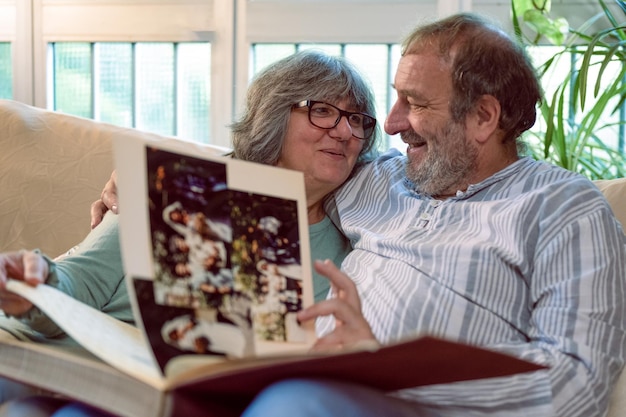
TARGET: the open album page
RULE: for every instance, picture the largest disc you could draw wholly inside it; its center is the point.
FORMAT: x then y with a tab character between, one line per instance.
216	251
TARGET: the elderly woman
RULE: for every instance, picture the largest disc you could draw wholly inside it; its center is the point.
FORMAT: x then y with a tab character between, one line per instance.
308	112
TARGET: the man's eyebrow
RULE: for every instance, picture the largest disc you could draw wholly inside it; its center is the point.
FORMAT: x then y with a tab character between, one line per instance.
408	93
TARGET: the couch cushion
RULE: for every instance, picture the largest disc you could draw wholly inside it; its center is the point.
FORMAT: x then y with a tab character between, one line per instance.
52	167
615	193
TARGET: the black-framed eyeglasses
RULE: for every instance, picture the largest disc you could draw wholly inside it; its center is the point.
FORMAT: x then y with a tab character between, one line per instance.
327	116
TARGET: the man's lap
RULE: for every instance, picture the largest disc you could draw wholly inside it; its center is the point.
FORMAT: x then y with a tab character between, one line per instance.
325	398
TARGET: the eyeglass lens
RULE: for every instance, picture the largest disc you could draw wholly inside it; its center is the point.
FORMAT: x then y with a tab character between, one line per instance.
327	116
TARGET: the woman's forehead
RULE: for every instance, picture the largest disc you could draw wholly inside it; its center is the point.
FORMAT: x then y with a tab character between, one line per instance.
343	102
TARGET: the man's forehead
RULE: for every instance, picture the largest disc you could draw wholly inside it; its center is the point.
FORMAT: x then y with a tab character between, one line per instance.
415	69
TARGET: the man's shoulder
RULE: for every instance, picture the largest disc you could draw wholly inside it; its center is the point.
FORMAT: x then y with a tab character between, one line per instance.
390	155
371	179
545	174
389	162
555	186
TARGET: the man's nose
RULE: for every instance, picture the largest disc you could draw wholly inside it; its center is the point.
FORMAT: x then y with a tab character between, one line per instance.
397	120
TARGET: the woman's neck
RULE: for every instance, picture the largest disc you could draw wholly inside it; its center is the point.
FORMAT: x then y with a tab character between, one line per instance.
316	212
316	194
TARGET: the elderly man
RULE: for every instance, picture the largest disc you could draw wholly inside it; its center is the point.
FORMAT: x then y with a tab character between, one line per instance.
466	239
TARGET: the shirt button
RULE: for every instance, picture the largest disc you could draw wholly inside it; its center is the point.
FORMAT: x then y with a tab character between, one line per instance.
425	216
435	203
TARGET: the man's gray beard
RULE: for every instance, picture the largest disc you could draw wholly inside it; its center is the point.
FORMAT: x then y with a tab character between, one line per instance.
446	167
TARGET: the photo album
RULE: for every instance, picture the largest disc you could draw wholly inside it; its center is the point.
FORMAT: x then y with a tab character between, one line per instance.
217	262
216	253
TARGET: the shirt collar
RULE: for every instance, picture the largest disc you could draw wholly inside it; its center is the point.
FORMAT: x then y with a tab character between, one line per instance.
508	171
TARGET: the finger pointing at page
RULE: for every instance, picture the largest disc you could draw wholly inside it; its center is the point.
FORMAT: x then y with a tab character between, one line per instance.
345	305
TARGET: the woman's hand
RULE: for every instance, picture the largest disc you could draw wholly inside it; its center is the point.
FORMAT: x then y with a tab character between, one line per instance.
26	266
108	201
350	325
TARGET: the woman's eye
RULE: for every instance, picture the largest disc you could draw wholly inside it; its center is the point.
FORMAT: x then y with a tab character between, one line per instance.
356	120
321	111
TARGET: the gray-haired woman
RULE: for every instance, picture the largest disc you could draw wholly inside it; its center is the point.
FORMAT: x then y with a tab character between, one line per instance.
309	112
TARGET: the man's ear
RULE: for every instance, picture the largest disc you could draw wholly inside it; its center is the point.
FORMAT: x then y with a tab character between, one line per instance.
486	117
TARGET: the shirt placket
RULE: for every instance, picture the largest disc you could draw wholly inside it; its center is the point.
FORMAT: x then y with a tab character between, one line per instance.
427	213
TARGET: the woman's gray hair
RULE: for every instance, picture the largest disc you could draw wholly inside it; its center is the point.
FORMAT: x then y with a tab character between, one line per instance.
259	134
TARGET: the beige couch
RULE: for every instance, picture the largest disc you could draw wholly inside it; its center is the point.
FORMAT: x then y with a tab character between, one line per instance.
53	166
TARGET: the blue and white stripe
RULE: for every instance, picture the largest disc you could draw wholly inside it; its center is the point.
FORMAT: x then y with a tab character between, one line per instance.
530	261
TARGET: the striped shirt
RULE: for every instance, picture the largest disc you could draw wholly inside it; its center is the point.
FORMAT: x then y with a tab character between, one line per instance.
530	261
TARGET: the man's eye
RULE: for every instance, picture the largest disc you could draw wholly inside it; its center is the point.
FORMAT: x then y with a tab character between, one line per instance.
416	106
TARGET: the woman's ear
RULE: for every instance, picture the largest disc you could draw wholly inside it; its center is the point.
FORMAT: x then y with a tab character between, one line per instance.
486	117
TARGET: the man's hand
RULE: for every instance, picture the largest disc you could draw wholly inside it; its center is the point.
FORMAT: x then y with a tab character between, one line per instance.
350	325
26	266
107	201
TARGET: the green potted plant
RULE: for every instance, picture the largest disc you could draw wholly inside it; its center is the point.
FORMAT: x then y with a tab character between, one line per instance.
581	125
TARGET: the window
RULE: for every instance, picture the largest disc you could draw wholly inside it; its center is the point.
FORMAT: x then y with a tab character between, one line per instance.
6	71
162	87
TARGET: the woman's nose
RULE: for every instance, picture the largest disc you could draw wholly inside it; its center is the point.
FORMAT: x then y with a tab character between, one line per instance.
343	131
